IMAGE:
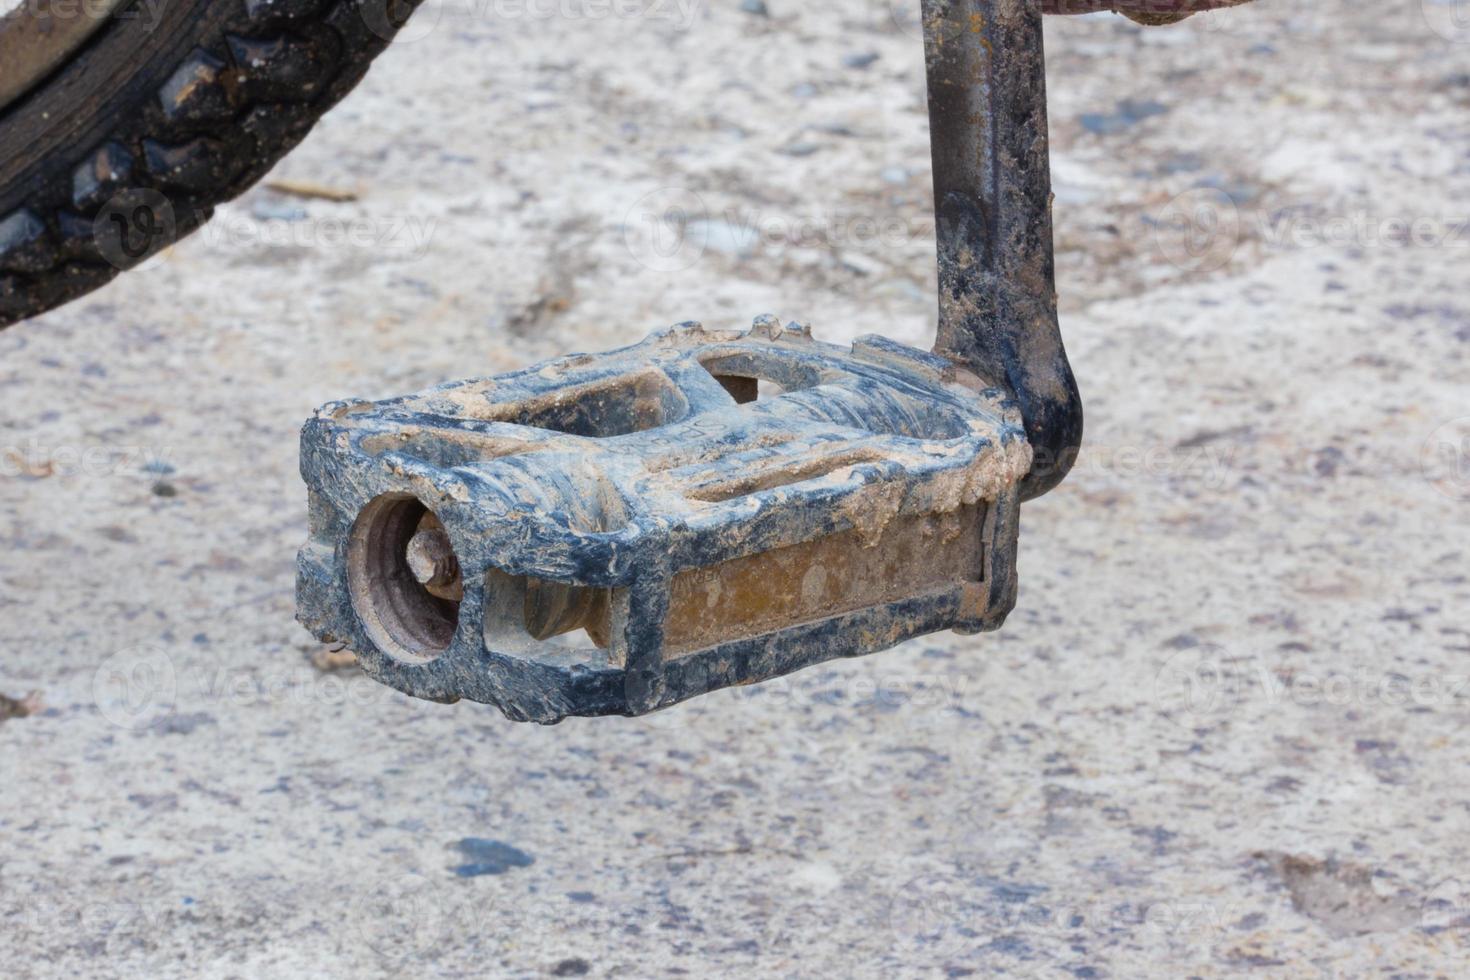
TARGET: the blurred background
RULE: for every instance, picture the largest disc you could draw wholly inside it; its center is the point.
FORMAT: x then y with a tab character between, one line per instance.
1223	731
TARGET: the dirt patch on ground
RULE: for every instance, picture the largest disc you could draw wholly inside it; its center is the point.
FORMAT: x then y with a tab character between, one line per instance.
1344	898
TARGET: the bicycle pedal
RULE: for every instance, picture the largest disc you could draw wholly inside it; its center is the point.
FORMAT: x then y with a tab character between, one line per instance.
613	533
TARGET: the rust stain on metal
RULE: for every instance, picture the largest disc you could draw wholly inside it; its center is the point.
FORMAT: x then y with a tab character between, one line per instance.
816	579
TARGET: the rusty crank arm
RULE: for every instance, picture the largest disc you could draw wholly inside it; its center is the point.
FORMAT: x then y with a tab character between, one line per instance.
992	197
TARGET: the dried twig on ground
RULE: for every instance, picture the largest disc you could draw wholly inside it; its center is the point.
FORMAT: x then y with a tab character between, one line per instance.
308	189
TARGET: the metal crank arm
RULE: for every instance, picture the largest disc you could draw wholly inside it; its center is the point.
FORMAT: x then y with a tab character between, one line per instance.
992	199
614	533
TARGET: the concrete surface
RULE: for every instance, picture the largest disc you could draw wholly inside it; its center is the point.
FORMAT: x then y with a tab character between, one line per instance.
1224	732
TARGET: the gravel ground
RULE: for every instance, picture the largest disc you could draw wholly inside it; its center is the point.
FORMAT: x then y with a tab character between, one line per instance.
1223	732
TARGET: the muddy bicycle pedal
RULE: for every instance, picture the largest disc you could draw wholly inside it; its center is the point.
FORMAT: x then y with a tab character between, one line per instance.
614	533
